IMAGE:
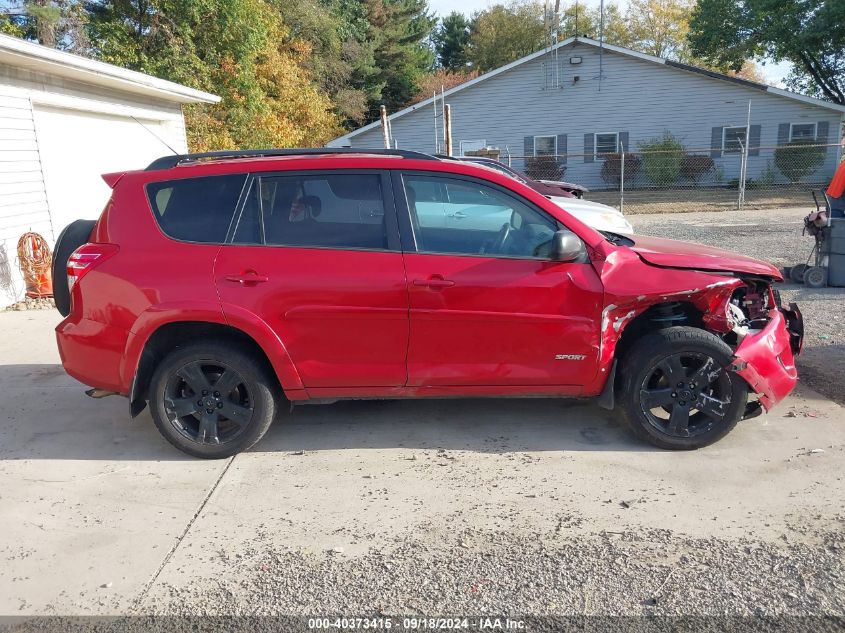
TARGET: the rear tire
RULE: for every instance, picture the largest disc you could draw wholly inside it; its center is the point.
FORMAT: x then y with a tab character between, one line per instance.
681	372
212	400
72	237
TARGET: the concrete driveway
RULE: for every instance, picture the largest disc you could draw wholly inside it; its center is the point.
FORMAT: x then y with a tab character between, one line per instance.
102	516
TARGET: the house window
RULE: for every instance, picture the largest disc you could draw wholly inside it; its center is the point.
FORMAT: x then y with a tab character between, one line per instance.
733	139
607	143
802	131
545	145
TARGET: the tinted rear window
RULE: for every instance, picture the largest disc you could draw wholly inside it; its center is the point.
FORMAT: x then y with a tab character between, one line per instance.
196	209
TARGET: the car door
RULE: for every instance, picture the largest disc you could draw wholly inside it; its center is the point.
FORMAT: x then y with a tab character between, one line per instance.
316	256
491	311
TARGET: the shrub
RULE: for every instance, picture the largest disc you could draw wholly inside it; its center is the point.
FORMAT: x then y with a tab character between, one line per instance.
798	159
662	159
694	166
611	170
544	168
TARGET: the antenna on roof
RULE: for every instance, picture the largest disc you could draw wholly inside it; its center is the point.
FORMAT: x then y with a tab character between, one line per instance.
601	42
161	140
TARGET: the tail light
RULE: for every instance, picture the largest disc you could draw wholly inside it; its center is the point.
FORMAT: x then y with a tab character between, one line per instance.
85	258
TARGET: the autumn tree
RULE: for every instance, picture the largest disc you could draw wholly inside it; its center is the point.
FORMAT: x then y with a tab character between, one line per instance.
504	33
239	50
660	27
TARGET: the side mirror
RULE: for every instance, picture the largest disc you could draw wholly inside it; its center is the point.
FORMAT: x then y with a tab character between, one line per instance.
566	246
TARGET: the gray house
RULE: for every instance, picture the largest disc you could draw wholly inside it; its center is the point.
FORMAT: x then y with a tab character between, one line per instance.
579	101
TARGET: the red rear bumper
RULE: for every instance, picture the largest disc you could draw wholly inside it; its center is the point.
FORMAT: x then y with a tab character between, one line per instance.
766	360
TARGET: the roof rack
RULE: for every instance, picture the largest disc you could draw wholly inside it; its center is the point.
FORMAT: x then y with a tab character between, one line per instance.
166	162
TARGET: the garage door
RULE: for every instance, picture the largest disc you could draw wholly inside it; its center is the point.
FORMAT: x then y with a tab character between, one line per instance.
77	147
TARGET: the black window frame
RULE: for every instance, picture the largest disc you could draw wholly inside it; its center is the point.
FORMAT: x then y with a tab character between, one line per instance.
235	211
406	225
387	195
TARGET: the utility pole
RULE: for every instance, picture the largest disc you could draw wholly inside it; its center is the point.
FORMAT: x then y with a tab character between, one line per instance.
447	127
385	130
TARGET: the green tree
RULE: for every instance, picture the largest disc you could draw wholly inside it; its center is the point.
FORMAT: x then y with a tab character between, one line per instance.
662	158
808	33
451	39
504	33
399	30
54	23
342	60
800	158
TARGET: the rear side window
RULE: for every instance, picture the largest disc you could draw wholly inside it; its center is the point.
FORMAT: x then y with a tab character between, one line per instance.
196	209
342	210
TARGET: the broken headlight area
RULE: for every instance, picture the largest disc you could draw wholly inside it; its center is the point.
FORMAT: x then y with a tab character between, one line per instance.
750	309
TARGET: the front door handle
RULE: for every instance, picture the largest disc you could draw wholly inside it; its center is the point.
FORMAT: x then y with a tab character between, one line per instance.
248	278
459	215
435	281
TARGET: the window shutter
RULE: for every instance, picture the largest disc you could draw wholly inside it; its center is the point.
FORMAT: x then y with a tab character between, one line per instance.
589	148
754	141
822	128
783	133
561	149
528	147
623	142
716	142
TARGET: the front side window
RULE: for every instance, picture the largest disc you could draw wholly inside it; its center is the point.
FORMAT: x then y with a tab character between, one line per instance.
733	139
196	209
466	217
802	131
606	143
545	145
342	210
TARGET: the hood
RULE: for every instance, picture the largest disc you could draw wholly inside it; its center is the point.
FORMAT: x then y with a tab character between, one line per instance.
579	204
676	254
568	186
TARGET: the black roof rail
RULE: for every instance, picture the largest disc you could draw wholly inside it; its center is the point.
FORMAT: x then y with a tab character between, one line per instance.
166	162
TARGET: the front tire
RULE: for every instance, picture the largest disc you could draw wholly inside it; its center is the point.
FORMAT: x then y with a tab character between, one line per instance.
212	400
676	392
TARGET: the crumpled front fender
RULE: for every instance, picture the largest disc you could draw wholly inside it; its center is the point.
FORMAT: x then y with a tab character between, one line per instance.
766	361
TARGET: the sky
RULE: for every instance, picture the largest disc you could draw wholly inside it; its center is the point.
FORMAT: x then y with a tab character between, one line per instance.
774	73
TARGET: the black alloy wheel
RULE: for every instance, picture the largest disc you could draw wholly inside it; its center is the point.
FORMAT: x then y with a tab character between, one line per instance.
208	403
213	400
685	394
676	389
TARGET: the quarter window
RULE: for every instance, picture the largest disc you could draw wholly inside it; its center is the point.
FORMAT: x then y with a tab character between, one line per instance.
196	209
465	217
545	145
733	138
607	143
342	210
802	131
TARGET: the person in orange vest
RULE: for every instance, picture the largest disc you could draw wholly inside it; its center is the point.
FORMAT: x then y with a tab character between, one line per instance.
836	192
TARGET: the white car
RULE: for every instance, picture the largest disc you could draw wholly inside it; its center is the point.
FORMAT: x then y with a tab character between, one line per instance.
599	216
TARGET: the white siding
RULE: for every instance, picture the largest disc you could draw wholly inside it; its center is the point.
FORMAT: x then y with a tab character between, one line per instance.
122	143
23	200
635	96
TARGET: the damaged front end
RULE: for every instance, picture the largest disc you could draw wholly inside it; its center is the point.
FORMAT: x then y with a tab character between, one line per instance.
742	308
767	339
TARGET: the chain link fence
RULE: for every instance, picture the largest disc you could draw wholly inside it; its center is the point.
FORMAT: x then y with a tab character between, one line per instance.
691	180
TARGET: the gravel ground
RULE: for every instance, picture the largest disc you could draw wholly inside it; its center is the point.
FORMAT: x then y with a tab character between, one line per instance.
774	236
655	573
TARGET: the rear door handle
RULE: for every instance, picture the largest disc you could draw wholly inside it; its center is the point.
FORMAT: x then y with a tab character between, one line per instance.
248	278
434	282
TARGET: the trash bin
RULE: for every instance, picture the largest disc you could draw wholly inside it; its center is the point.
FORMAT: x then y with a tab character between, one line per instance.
834	250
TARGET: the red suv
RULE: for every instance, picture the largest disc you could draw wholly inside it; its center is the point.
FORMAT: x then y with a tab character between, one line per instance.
218	288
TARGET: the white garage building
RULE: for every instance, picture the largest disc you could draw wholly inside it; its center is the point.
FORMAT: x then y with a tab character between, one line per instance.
64	121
